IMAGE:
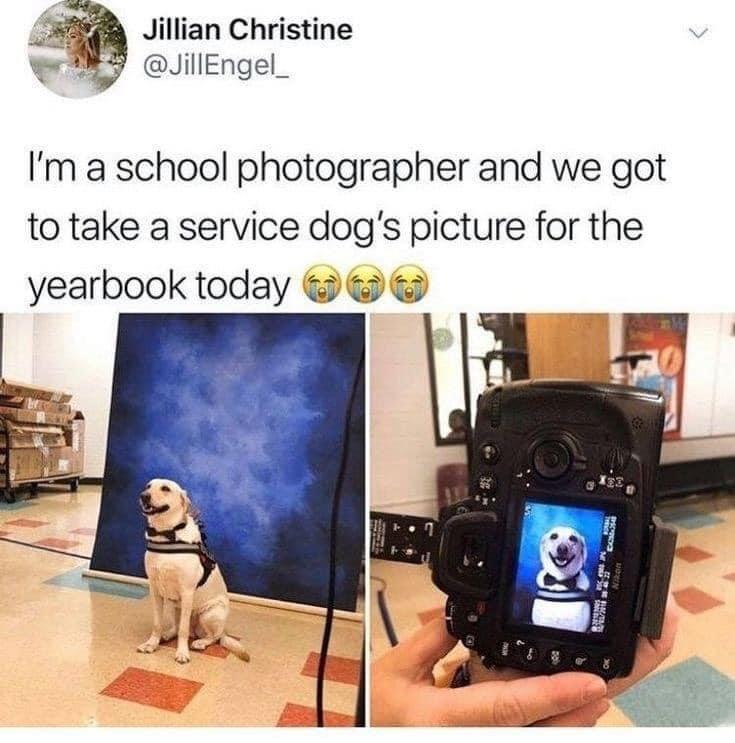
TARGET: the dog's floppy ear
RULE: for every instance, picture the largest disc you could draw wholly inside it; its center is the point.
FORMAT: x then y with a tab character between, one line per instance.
185	501
584	548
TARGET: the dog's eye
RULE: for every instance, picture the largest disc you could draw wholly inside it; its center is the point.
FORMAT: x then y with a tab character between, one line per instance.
574	539
554	536
165	488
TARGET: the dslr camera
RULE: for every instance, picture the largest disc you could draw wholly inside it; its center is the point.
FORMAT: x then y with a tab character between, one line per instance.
555	561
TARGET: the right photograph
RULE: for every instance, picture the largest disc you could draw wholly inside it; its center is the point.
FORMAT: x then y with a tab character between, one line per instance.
552	527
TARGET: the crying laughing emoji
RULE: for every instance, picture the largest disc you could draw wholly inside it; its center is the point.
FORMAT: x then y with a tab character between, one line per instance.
409	283
365	283
322	283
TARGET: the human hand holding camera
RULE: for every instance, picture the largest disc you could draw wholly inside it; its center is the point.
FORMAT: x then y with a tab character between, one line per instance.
404	693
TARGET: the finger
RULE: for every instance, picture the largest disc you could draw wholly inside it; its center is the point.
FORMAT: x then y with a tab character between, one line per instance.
649	653
418	654
584	717
526	700
480	673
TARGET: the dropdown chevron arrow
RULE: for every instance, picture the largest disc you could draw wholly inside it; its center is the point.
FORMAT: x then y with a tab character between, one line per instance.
699	34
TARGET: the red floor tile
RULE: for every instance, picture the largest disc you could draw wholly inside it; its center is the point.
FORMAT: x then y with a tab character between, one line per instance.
30	523
85	531
729	576
214	651
298	716
427	616
59	544
153	689
692	554
694	601
345	670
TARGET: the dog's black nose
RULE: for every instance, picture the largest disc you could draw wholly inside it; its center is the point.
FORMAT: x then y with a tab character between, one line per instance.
145	498
562	550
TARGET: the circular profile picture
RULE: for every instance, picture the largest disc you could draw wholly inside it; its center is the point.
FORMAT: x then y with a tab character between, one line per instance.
77	48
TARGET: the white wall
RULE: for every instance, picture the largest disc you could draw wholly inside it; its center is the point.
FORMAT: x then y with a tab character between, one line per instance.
708	411
17	356
70	352
403	454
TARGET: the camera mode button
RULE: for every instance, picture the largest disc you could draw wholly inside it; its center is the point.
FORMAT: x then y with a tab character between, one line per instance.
490	453
487	483
526	651
580	660
606	664
555	658
504	649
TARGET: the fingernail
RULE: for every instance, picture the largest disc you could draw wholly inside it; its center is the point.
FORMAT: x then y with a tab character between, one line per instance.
595	689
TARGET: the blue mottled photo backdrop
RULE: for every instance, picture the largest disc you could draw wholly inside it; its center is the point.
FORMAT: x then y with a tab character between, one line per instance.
247	413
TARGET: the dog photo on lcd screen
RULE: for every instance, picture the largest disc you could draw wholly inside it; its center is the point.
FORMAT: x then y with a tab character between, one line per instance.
558	572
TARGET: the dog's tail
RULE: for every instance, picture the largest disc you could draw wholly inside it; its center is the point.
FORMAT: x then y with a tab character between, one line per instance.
231	644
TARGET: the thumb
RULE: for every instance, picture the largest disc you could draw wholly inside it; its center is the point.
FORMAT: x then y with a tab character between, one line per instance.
417	655
526	700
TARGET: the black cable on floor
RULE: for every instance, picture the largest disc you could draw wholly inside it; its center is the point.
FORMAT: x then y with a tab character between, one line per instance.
384	612
336	497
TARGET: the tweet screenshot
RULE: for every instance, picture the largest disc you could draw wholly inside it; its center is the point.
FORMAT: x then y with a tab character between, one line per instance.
367	365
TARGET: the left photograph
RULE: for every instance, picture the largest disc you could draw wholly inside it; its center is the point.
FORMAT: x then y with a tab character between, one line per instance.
182	519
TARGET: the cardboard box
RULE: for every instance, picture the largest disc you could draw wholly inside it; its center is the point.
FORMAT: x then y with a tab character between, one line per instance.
74	433
29	465
30	403
33	437
36	416
9	388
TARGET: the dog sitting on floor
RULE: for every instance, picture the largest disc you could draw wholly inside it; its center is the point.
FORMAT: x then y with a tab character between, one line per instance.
184	578
562	599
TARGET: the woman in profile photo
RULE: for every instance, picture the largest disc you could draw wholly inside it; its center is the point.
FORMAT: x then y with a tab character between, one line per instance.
82	45
77	48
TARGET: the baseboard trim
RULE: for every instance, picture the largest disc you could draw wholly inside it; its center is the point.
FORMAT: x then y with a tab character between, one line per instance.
699	476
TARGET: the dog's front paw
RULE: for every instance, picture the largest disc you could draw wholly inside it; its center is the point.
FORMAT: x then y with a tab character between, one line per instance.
182	656
200	644
148	647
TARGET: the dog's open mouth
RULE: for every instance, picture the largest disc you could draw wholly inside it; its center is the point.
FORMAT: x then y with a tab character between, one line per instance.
561	562
152	510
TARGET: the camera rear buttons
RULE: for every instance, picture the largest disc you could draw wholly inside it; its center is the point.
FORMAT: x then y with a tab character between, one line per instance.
606	664
551	460
490	453
555	658
526	651
487	483
580	660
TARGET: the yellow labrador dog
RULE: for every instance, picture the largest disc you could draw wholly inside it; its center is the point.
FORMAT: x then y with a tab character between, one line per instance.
562	598
183	576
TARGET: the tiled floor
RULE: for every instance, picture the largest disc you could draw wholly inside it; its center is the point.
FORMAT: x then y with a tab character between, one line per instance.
73	651
696	685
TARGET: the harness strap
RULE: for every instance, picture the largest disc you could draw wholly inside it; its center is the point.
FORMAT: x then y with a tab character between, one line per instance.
170	534
186	548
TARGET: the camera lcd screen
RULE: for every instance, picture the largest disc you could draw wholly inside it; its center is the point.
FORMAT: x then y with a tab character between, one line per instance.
564	568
